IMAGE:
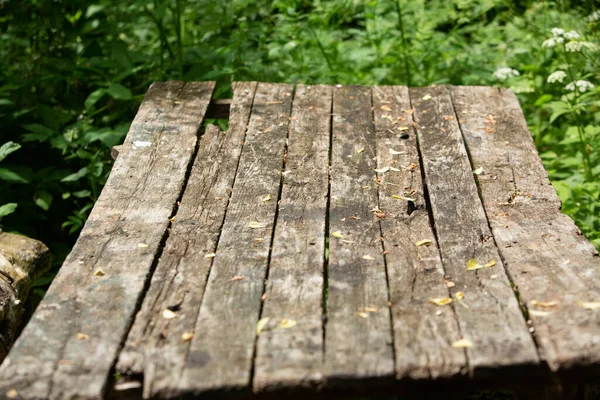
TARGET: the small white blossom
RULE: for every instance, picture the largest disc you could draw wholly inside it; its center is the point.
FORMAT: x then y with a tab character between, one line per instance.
581	85
595	16
505	73
556	32
560	40
572	35
574	46
557	76
549	43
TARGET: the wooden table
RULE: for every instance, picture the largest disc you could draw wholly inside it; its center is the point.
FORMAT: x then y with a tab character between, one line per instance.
338	239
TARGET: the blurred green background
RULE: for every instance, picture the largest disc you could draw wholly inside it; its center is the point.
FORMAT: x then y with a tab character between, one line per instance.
72	74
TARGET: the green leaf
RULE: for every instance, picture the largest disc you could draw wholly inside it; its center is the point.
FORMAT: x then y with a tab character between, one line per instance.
43	199
93	98
543	100
76	176
7	148
82	193
119	92
5	102
94	9
7	209
11	176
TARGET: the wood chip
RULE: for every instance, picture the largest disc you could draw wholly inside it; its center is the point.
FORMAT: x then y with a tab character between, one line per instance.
187	336
255	225
168	314
382	170
543	304
589	305
238	278
538	313
82	336
210	255
367	257
362	314
386	108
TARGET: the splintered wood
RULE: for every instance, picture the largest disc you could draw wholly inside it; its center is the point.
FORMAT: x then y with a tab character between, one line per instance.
339	239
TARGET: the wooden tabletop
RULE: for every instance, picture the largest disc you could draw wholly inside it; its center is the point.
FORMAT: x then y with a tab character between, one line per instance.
335	239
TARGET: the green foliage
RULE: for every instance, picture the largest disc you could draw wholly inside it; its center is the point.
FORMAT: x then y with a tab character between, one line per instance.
72	74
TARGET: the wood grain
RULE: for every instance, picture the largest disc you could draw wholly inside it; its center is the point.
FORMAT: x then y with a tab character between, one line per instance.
493	323
221	352
292	357
70	345
358	340
423	332
157	346
545	253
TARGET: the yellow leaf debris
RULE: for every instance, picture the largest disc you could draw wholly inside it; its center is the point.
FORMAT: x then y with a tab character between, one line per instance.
12	394
427	97
99	272
261	324
386	108
367	257
187	336
142	245
441	301
398	197
590	305
210	255
362	314
538	313
490	264
394	152
478	171
424	242
168	314
82	336
360	150
543	304
472	265
382	170
287	323
462	344
337	234
266	198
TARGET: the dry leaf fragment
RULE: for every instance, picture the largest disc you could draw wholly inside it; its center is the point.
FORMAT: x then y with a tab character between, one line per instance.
266	198
403	128
365	187
450	284
287	323
472	265
187	336
424	242
538	313
448	117
441	301
261	324
237	278
82	336
142	245
210	255
459	295
12	394
386	108
398	197
259	239
370	309
382	170
490	264
362	314
589	305
99	272
543	304
478	171
462	344
394	152
255	225
168	314
395	169
427	97
367	257
337	234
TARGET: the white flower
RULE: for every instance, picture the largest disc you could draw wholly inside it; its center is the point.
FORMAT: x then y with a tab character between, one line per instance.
505	73
595	16
581	85
549	43
556	32
572	35
574	46
557	76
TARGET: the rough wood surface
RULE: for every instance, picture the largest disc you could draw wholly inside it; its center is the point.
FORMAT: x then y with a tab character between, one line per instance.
70	345
221	353
423	332
493	323
292	357
157	346
22	260
555	269
358	339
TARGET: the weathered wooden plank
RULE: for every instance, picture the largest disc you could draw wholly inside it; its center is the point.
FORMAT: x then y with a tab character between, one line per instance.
493	323
292	357
423	332
358	339
553	266
157	346
221	352
69	347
